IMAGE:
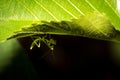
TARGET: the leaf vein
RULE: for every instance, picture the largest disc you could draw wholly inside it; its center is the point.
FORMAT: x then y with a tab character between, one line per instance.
51	14
65	9
111	7
91	5
27	9
76	7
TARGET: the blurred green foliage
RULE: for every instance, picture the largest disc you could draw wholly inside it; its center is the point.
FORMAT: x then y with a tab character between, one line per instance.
8	50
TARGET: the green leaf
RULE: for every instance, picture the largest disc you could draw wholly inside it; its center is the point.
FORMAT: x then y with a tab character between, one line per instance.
94	25
17	14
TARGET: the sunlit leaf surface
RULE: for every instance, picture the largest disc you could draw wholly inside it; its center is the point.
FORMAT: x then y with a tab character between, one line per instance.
17	14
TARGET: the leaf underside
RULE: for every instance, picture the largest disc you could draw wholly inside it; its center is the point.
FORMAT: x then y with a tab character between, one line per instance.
94	25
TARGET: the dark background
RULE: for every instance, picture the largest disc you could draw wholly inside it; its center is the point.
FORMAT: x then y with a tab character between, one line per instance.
73	58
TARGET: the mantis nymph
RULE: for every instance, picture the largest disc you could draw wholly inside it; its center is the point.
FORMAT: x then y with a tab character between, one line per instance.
37	41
